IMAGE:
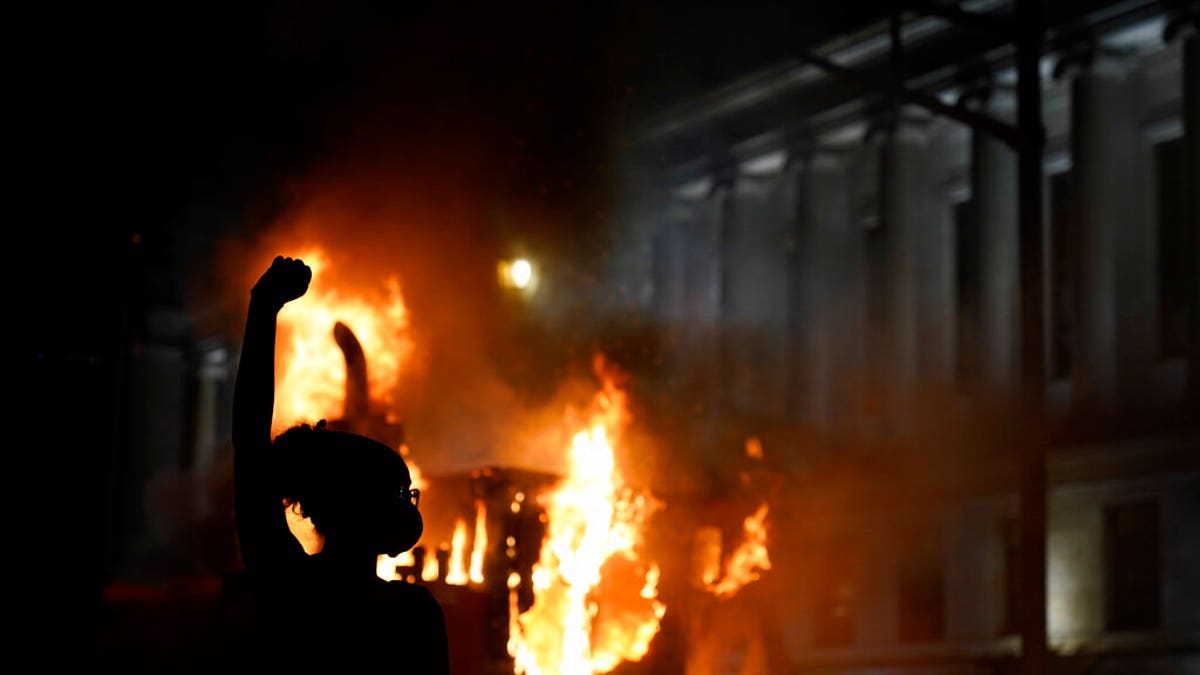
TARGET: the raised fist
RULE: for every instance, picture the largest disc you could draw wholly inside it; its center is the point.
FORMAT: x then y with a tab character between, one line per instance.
285	280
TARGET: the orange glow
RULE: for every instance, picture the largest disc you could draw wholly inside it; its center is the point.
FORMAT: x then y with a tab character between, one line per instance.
385	565
302	528
744	564
414	471
595	600
311	369
311	366
706	556
480	545
457	574
429	571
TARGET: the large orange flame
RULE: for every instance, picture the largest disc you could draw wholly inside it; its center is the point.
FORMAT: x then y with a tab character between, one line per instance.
479	547
457	574
595	601
312	371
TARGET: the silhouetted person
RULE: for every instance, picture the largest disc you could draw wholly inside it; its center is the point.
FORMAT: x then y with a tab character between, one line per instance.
326	611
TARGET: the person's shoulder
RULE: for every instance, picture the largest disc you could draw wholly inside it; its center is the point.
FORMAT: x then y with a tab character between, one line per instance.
422	627
416	607
411	593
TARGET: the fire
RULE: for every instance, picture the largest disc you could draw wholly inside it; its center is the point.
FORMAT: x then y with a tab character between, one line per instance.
457	574
744	564
385	564
312	366
312	370
480	546
754	448
414	471
595	601
429	571
302	528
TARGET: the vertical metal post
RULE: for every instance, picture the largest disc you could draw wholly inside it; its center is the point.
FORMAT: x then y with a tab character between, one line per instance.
1032	601
1191	134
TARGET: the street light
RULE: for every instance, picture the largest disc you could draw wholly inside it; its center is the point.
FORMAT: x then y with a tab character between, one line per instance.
518	274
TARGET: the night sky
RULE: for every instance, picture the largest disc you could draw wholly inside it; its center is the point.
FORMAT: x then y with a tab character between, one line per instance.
152	131
174	103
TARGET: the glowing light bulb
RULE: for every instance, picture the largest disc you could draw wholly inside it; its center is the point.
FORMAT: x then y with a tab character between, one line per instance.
521	272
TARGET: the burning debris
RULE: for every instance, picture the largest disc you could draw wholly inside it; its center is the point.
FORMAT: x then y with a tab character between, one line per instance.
479	545
595	600
322	378
744	564
557	559
750	557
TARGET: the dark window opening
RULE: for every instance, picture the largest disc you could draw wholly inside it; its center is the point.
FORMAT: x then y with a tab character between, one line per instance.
836	602
922	593
1132	556
1010	538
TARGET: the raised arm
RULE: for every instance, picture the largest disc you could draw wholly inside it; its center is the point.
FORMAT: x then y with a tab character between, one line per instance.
262	529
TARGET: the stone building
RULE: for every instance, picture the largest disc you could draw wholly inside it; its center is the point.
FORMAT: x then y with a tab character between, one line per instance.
837	272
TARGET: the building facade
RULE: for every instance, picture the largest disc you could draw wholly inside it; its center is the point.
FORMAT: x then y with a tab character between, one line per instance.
837	271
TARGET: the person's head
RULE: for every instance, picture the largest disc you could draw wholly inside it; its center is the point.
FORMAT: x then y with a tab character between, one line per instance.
354	489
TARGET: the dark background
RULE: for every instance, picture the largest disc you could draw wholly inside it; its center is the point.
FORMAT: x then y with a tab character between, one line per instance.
129	117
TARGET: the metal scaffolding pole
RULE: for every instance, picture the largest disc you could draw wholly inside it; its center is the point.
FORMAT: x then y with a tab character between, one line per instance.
1032	600
1026	28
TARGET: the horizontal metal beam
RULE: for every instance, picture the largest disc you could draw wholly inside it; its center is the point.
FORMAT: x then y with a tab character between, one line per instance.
987	124
999	24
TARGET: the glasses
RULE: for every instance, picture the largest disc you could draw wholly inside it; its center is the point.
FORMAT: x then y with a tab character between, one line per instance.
412	495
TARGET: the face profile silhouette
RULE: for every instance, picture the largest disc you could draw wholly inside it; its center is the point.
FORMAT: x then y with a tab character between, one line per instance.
355	492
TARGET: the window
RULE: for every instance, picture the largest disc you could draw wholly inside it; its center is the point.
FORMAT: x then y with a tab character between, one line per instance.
1132	565
1063	239
836	600
922	592
1010	538
1176	259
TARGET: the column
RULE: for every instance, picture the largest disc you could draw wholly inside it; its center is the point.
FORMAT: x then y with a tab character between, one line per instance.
702	382
994	188
917	273
1191	126
829	319
1116	299
755	303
